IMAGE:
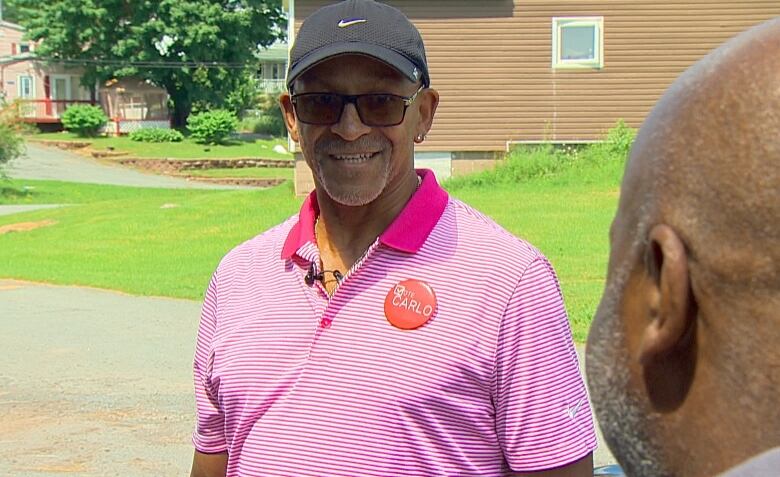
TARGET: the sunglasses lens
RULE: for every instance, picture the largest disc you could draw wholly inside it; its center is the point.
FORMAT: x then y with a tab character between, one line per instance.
318	108
374	109
380	109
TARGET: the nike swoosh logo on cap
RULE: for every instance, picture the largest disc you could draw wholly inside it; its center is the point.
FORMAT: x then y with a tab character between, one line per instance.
351	21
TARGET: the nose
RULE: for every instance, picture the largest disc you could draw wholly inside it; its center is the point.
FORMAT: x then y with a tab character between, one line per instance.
350	127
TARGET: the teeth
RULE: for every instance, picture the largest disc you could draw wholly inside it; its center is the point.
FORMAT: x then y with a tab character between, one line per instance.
353	157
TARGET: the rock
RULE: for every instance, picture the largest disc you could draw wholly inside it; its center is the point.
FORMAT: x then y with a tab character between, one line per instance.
279	149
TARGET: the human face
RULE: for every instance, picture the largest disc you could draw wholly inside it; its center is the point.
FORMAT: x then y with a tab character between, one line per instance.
354	164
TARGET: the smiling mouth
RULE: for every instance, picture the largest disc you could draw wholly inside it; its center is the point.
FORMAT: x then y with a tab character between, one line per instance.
354	158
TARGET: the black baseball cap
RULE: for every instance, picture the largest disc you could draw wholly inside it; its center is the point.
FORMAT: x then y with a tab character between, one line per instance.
362	27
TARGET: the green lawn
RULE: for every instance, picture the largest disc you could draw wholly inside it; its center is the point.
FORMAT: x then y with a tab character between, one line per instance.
252	172
143	241
123	238
187	149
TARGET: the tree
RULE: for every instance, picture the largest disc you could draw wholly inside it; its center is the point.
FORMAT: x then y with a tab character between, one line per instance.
199	51
10	10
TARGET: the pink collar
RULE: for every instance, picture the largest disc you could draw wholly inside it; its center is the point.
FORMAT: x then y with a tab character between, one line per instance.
406	233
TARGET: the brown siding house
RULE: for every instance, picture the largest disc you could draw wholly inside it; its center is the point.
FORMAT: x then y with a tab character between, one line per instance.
522	71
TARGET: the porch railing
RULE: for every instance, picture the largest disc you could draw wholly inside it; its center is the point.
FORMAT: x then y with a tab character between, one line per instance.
45	110
271	86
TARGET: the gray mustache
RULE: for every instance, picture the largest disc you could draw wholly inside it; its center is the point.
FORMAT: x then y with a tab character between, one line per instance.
331	145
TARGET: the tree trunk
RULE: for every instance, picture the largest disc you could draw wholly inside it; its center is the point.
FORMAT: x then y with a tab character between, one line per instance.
182	106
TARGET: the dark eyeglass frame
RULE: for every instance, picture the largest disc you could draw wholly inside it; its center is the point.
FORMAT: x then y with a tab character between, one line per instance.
353	99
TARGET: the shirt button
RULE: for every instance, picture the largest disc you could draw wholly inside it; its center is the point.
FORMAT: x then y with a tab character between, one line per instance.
325	322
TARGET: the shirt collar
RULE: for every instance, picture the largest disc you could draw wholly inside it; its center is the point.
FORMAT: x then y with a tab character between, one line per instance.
407	232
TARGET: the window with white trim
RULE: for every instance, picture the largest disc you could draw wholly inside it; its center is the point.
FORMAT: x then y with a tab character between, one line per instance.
26	87
578	42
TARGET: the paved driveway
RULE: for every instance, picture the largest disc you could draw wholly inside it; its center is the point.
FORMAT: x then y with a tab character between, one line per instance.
48	163
94	383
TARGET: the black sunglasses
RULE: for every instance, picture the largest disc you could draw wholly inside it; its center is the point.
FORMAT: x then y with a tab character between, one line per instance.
374	109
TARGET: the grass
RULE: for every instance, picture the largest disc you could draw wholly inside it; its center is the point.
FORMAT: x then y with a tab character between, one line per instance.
187	149
567	217
142	241
254	172
123	238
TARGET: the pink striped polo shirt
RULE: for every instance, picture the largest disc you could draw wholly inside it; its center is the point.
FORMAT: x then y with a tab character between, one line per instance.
291	382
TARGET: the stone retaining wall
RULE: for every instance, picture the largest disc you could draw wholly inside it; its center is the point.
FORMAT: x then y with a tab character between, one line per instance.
240	181
176	165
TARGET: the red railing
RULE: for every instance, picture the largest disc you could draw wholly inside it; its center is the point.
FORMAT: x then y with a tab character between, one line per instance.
45	110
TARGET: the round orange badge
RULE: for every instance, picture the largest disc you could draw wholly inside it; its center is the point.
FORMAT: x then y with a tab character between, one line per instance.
410	304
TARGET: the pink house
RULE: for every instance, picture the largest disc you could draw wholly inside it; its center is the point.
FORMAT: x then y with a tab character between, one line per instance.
43	90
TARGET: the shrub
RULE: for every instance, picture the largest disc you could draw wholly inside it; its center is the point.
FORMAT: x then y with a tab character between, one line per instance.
529	161
11	146
266	119
267	125
84	120
619	140
212	127
156	135
11	142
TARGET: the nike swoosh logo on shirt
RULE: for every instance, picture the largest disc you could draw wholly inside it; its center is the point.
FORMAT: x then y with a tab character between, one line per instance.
352	21
573	410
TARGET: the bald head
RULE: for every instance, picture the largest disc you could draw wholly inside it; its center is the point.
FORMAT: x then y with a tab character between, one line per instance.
706	162
683	358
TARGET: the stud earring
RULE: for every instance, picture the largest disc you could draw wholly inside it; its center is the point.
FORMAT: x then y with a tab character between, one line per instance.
419	138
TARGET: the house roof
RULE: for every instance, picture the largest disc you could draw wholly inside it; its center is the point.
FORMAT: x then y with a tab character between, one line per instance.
10	59
276	52
13	26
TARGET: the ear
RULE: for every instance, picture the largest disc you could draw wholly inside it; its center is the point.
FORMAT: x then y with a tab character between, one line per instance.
668	297
288	112
428	102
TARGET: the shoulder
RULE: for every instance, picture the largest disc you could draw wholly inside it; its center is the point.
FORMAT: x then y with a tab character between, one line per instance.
481	238
263	249
763	464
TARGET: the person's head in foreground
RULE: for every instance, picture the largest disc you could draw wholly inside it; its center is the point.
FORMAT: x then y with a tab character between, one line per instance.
683	358
359	98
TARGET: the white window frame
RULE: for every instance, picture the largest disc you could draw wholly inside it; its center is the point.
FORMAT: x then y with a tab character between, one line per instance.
558	23
19	86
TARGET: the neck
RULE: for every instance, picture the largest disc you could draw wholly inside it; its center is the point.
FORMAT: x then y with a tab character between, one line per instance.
346	232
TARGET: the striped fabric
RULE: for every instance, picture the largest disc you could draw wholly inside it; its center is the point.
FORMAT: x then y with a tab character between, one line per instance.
291	382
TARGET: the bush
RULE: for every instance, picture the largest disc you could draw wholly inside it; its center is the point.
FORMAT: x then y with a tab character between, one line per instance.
267	125
11	142
11	146
530	161
619	140
212	127
266	119
84	120
156	135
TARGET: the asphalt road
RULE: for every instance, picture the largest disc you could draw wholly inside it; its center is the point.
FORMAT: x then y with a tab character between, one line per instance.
94	383
41	162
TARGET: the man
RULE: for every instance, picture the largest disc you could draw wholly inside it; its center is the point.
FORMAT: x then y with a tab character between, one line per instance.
387	329
683	359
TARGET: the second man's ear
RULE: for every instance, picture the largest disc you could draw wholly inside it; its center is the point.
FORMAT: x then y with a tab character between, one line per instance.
666	266
667	343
